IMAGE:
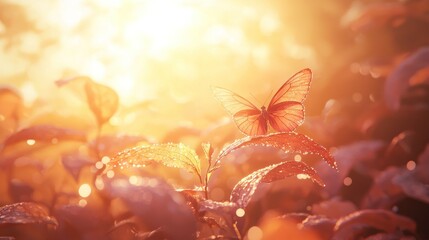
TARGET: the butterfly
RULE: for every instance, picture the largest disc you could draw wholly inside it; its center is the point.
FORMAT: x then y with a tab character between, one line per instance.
284	113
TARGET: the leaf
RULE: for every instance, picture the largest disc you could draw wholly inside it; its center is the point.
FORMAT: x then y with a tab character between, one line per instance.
334	208
26	213
322	225
411	186
169	154
45	133
157	204
20	191
348	156
89	222
399	80
244	190
352	225
74	163
208	150
383	192
379	14
288	142
102	100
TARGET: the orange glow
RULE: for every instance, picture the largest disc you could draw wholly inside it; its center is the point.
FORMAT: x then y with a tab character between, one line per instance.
151	49
207	118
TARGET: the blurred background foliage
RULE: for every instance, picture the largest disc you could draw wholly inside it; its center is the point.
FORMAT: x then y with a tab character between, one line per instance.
166	55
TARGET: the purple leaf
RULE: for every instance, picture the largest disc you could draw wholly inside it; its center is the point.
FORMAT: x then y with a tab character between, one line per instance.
244	190
26	213
157	204
398	80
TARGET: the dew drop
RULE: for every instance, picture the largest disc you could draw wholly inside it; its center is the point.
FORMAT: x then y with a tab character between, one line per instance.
240	212
302	176
297	158
31	142
347	181
411	165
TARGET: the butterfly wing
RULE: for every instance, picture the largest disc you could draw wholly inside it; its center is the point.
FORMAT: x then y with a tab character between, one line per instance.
247	116
286	111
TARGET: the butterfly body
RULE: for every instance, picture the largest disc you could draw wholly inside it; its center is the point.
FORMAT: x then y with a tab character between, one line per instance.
284	113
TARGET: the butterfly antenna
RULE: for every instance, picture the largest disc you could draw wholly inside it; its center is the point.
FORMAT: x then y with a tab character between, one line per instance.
255	98
268	97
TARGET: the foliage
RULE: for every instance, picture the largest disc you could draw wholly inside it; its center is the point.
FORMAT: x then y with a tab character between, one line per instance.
97	171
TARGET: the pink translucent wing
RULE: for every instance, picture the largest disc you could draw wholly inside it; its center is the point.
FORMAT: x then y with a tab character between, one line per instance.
251	122
295	89
232	102
286	116
246	116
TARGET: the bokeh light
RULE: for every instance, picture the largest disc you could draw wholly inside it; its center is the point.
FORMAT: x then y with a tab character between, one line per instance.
85	190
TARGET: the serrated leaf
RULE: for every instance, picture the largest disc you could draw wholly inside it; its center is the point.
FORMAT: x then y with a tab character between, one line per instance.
246	187
157	203
169	154
102	100
45	133
351	225
287	142
26	213
208	150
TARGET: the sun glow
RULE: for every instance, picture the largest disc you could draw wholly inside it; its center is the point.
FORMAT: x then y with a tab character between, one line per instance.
152	51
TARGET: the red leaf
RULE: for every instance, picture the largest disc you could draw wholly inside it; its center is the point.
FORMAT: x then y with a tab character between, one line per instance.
102	100
45	133
26	213
322	225
157	203
352	225
288	142
383	192
244	190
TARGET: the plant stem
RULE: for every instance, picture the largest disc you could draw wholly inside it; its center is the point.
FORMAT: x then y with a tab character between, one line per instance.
237	232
